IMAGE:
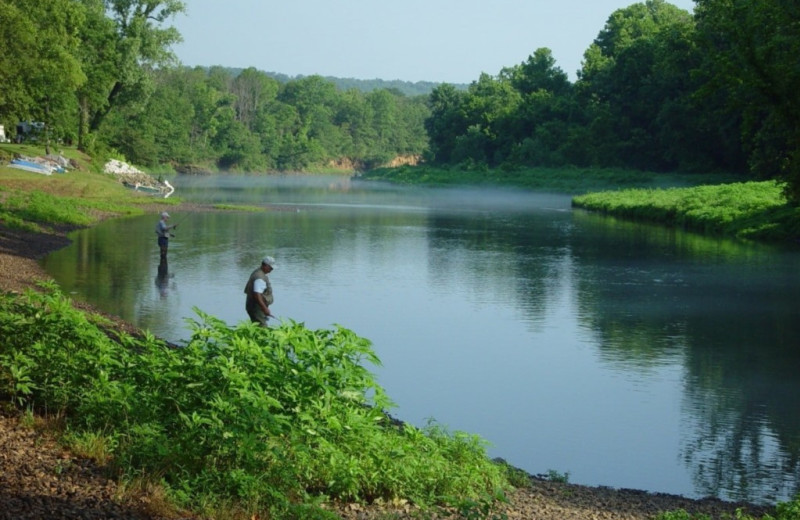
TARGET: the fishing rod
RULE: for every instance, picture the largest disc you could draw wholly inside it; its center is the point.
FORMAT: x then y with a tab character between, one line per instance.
275	318
180	220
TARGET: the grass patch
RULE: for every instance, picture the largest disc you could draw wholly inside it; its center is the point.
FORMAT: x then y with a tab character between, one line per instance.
35	210
753	210
37	206
235	207
34	202
12	221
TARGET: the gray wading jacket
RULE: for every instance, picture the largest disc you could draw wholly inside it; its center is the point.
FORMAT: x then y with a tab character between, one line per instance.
258	274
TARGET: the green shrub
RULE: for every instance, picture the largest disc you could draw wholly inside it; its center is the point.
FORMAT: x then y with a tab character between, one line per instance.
262	418
783	511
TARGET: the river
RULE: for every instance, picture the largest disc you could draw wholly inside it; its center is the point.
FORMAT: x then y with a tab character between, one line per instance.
619	354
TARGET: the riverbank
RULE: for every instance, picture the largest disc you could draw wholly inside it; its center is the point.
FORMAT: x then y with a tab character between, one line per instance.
748	210
712	204
38	476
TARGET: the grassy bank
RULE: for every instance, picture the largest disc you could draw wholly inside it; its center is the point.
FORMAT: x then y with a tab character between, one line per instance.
561	180
752	210
80	197
711	204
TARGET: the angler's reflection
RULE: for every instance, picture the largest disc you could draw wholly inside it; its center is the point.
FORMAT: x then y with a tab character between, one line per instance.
162	278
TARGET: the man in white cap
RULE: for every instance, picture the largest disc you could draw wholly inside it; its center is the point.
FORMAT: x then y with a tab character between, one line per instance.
162	230
259	292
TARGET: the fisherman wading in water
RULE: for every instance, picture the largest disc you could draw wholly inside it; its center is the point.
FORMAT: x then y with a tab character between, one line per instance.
162	230
259	292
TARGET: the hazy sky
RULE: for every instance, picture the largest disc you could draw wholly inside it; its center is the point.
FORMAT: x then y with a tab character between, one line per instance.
412	40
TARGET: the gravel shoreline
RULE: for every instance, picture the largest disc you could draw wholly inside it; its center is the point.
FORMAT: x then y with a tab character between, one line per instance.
40	480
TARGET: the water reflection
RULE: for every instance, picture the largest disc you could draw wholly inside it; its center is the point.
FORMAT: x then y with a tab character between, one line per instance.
725	310
162	277
570	341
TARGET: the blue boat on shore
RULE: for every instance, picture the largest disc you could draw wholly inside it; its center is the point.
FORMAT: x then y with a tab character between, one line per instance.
36	167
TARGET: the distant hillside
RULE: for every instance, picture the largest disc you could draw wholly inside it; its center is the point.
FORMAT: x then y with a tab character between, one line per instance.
419	88
408	88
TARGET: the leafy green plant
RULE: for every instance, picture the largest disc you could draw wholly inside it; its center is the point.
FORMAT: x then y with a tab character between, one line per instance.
27	419
482	508
783	511
681	514
556	476
260	419
788	510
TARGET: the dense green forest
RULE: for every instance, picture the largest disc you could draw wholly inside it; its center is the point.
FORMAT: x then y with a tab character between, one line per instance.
660	89
100	74
407	88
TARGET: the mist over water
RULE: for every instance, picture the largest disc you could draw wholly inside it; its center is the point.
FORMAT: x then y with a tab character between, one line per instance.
627	355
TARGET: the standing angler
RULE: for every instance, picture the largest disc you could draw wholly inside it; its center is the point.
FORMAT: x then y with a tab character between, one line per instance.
259	292
162	230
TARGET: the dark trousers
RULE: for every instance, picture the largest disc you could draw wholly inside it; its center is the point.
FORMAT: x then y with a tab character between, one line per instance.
163	244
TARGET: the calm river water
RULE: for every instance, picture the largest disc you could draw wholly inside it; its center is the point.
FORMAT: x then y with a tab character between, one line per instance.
625	355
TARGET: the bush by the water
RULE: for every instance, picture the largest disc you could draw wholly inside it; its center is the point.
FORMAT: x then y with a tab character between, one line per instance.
266	419
783	511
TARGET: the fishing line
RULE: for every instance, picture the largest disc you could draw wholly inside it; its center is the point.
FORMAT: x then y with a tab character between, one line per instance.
202	202
180	220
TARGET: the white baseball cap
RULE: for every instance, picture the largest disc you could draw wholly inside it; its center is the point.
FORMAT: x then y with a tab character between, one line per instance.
268	260
164	214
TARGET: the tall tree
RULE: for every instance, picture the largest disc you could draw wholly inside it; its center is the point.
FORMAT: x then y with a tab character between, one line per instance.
752	50
252	90
355	116
384	112
410	136
537	125
538	72
315	99
123	53
625	81
446	122
159	133
99	62
39	70
488	106
17	37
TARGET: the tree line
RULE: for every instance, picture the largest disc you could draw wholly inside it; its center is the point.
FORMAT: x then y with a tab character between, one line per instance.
659	89
251	122
100	74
